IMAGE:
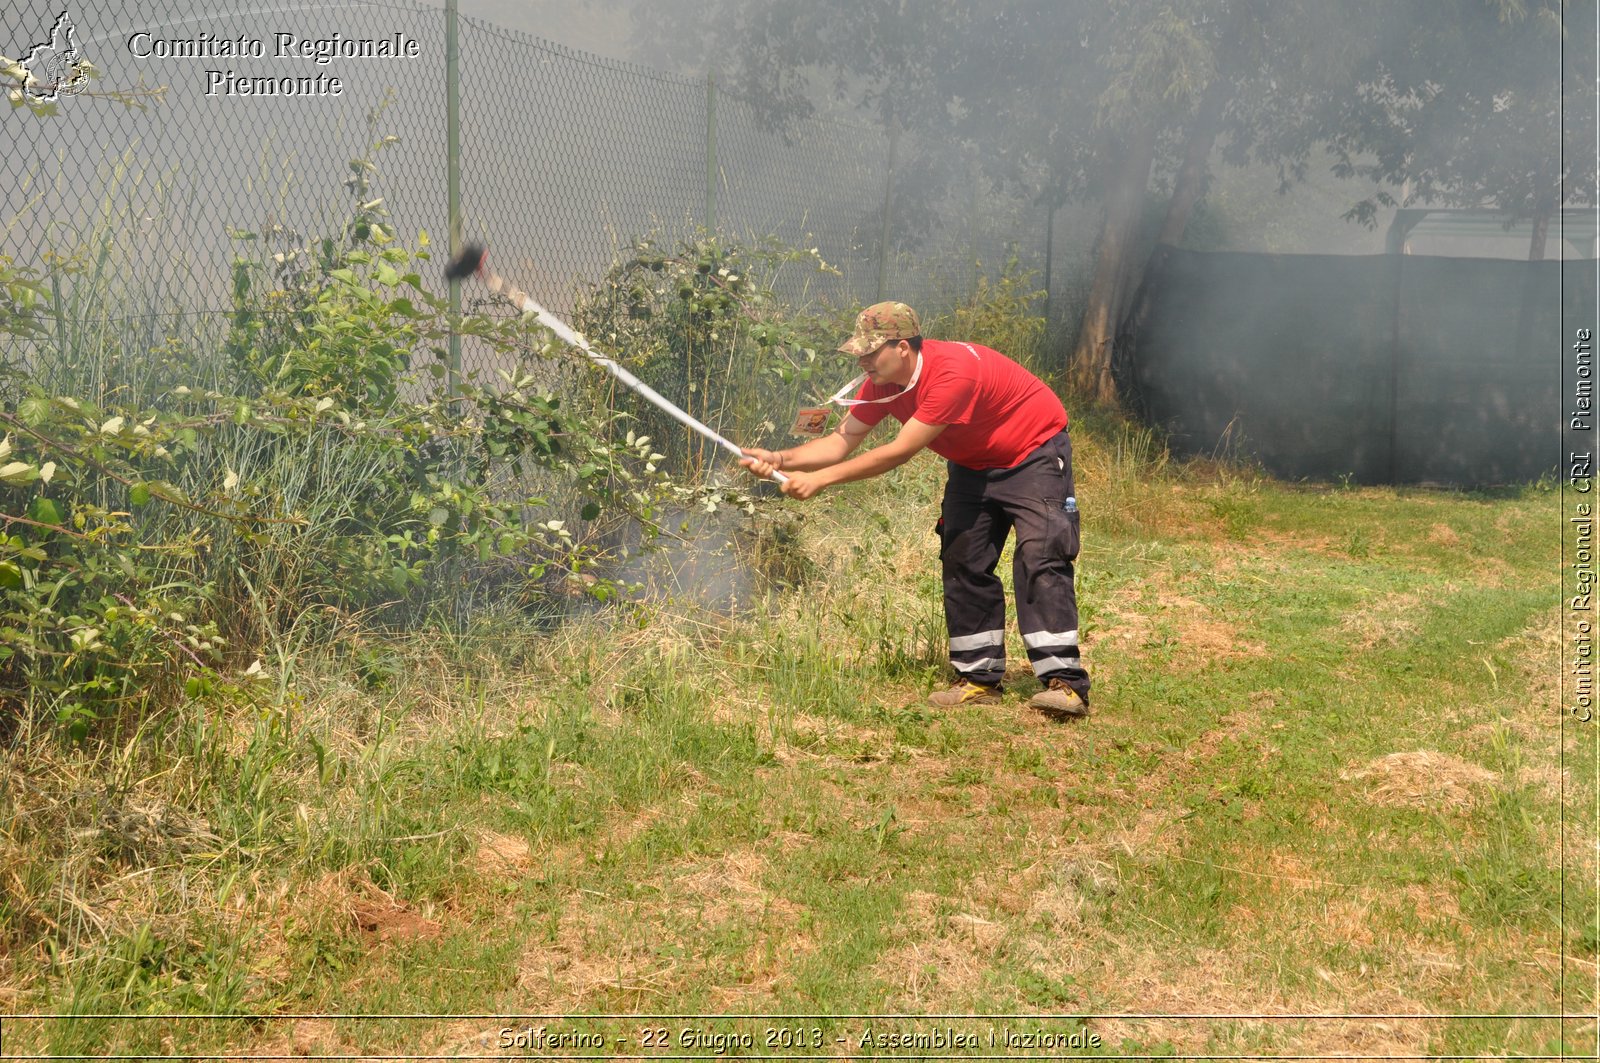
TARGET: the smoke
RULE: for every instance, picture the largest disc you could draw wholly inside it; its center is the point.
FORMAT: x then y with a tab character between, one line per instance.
723	561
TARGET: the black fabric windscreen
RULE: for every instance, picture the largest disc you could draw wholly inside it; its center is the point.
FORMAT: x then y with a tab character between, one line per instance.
1379	369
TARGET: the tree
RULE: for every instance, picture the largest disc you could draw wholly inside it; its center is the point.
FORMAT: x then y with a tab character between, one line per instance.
1099	100
1480	110
1160	64
1062	98
1065	99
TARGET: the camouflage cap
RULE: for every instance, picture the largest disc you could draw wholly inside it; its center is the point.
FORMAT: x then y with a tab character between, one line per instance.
878	324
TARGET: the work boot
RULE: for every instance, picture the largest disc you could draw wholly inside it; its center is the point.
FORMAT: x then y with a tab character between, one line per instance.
965	692
1060	701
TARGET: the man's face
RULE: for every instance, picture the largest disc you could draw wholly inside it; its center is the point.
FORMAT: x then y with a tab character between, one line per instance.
881	364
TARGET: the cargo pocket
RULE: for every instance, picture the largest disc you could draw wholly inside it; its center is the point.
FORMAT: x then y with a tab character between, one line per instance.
1065	527
1070	534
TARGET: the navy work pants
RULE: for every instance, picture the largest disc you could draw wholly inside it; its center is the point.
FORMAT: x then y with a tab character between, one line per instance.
981	508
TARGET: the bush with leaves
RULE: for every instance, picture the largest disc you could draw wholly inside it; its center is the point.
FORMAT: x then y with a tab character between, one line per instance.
1004	315
703	325
162	547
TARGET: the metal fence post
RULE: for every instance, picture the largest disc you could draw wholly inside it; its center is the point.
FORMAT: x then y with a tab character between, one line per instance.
1398	287
973	254
888	199
452	155
60	315
711	153
1049	257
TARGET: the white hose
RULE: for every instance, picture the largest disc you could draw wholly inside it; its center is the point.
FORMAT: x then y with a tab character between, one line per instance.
524	302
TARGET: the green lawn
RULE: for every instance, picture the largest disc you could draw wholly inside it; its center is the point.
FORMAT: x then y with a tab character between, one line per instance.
1326	773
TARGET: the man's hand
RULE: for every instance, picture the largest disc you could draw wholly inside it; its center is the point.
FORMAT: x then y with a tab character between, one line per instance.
802	485
763	462
760	462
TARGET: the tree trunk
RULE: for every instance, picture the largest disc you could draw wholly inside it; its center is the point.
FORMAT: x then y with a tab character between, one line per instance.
1089	370
1187	189
1191	182
1541	229
1133	264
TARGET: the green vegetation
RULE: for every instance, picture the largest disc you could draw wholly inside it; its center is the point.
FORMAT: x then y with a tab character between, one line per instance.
705	325
1324	774
1314	781
186	501
1004	315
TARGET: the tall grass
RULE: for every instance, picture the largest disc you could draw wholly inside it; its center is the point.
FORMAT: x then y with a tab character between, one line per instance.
658	808
615	812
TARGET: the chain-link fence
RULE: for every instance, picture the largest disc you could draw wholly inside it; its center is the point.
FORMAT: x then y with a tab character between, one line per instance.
563	158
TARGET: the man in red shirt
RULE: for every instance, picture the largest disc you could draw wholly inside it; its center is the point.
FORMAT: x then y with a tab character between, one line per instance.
1004	434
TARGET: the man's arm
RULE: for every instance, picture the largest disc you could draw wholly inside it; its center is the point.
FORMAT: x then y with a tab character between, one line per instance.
913	436
814	454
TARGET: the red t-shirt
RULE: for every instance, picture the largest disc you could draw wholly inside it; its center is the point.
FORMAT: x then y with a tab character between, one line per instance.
996	412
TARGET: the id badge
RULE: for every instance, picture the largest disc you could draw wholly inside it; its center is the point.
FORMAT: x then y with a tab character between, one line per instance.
810	421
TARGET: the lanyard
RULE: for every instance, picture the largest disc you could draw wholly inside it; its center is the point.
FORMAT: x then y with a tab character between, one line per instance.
839	399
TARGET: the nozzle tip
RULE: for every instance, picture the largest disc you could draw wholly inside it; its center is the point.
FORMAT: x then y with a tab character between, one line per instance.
467	263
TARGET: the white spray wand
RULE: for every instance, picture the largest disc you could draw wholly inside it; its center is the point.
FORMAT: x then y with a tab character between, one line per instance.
473	260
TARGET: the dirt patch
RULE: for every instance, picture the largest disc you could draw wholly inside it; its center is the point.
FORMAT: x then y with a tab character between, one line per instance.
1547	781
600	949
631	825
730	888
814	737
1146	839
1383	621
468	1039
1431	903
946	945
1536	675
543	967
1237	727
587	956
1070	889
1422	779
350	898
1144	985
1366	1038
343	903
305	1038
1004	891
1242	727
944	970
1217	981
1286	542
501	854
943	963
1443	535
1203	635
1265	700
1124	619
1347	920
313	1037
1283	869
1198	634
383	919
790	841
